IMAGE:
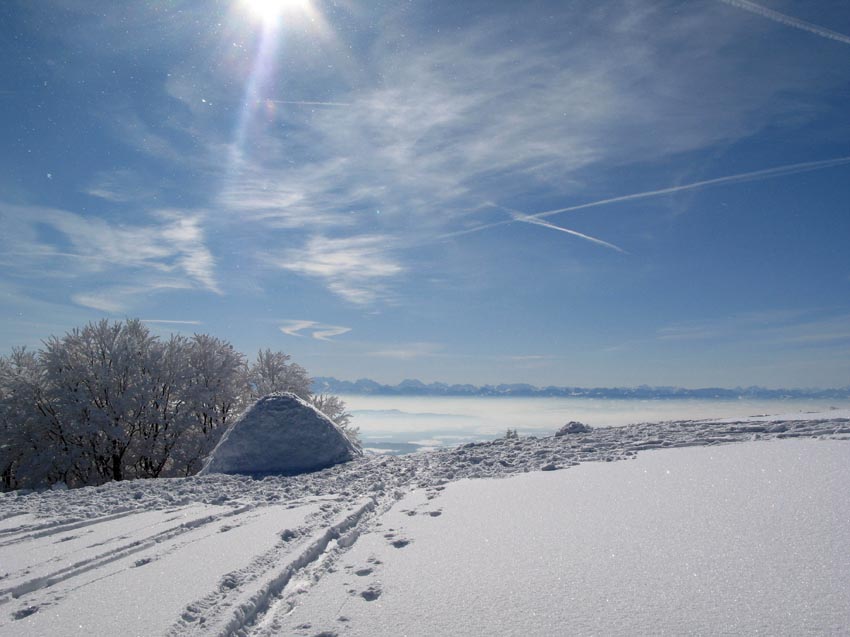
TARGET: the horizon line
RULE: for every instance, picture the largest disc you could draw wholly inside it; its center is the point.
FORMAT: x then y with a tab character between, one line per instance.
591	388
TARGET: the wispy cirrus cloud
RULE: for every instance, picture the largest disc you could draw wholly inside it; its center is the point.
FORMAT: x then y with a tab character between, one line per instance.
785	328
116	263
316	330
119	299
121	186
452	116
186	236
410	137
358	268
408	351
454	122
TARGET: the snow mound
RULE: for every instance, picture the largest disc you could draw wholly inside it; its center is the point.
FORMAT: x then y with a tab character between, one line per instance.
573	427
280	434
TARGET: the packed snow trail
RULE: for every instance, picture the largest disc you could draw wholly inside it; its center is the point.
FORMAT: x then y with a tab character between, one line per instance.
233	555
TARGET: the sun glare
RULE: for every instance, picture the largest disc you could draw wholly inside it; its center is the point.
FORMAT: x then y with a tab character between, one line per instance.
268	11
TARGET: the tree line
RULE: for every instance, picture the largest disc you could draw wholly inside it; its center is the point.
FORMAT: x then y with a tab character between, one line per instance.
111	401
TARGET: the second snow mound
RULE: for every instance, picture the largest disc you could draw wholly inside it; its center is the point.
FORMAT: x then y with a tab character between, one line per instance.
280	434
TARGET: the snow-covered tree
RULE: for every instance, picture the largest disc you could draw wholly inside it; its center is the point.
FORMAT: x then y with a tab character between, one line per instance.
30	434
334	408
111	401
214	395
273	372
168	417
101	379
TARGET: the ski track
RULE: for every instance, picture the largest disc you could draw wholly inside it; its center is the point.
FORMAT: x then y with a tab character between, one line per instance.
50	578
244	595
351	499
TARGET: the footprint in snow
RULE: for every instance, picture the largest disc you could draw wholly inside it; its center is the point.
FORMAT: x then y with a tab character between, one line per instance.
229	582
363	572
24	612
400	543
372	593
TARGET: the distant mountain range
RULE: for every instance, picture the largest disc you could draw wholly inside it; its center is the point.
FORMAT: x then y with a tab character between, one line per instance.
413	387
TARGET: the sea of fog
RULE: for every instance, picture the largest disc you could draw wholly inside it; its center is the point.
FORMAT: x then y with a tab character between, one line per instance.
400	424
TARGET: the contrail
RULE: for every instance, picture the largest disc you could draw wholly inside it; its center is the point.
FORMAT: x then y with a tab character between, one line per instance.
756	175
518	216
170	322
787	20
304	103
575	233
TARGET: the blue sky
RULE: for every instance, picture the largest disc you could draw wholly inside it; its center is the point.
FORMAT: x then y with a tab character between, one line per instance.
567	193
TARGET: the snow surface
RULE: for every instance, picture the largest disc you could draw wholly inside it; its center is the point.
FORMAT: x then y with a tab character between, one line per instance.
747	538
283	434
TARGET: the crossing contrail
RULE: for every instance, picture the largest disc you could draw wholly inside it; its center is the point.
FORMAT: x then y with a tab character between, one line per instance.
768	173
787	20
518	216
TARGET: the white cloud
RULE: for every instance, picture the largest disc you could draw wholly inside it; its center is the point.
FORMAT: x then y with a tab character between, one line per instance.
120	186
185	235
355	268
318	331
119	299
103	302
169	252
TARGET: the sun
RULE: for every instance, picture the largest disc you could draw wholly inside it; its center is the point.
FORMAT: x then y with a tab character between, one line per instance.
269	11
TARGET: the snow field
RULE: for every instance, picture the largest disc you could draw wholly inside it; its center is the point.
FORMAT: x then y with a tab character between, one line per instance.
746	539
